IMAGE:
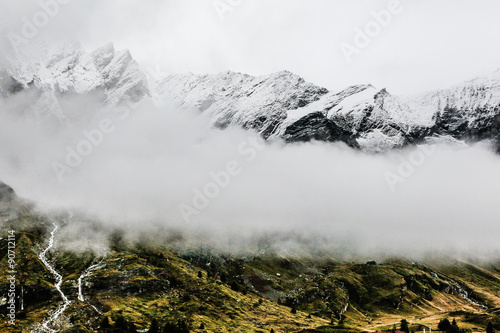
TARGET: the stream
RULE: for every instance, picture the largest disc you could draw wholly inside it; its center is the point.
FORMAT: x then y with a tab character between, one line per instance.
59	280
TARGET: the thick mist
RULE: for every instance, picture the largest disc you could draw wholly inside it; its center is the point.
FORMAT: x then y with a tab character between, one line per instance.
151	170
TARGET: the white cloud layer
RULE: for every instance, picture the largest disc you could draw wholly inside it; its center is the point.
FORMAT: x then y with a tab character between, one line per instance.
155	160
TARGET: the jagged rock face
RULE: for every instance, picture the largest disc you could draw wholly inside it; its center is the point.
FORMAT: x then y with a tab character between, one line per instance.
113	75
6	193
316	126
279	105
229	98
357	113
380	121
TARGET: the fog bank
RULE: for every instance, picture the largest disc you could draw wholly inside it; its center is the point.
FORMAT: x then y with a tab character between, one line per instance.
157	168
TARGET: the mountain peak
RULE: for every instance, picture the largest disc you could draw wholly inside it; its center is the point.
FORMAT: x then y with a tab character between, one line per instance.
266	103
68	68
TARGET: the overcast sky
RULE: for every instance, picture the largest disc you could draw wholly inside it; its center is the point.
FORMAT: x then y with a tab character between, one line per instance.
427	44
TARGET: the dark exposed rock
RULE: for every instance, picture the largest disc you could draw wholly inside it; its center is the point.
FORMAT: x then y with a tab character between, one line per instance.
316	126
6	192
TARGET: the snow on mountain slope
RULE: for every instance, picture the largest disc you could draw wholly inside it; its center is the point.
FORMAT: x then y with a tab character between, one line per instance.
472	99
68	69
230	98
357	100
350	109
326	103
314	121
380	121
376	141
279	105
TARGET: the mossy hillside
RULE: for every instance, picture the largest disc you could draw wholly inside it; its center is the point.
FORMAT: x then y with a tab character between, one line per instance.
228	293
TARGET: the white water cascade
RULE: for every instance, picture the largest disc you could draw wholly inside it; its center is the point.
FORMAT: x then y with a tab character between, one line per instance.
59	280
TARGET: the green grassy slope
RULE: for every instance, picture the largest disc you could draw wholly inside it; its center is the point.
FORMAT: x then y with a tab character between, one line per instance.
224	293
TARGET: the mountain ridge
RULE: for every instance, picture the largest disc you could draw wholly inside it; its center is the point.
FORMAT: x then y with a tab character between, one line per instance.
279	105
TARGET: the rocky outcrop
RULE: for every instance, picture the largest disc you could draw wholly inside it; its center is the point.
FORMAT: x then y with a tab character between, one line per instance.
258	103
280	105
112	76
6	193
316	126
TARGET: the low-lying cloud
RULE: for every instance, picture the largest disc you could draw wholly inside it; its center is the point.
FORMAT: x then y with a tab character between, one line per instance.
165	169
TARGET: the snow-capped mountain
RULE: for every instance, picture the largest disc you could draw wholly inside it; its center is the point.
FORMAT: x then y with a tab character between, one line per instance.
378	120
279	105
260	103
114	76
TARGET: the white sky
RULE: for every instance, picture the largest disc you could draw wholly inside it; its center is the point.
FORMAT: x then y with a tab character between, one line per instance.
430	44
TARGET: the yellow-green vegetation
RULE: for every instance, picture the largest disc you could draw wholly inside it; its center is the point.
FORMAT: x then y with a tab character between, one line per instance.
218	292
